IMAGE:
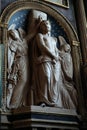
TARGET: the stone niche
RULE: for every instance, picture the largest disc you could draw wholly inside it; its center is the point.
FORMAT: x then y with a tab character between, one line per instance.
25	102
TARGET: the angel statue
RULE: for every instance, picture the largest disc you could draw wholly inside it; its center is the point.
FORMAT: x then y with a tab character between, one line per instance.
18	65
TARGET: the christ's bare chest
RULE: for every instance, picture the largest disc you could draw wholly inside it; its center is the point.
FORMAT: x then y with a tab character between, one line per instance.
50	42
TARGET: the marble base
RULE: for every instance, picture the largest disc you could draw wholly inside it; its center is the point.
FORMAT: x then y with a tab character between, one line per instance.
37	117
45	117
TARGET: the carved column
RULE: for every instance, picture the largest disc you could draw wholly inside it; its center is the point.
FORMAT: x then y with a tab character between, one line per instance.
81	23
82	31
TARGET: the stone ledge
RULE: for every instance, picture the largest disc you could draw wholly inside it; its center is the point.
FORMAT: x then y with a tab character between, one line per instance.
39	109
45	117
42	117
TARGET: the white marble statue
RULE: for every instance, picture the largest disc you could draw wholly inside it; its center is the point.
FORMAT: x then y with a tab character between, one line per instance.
49	88
18	66
67	69
35	63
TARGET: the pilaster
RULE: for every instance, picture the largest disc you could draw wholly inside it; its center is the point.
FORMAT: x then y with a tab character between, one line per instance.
81	24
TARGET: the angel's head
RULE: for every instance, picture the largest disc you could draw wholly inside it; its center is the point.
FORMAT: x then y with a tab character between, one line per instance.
12	32
64	46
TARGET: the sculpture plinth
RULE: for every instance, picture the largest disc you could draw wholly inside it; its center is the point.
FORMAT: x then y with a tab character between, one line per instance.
44	117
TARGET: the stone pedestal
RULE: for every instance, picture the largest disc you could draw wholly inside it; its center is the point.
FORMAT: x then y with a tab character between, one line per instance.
44	118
